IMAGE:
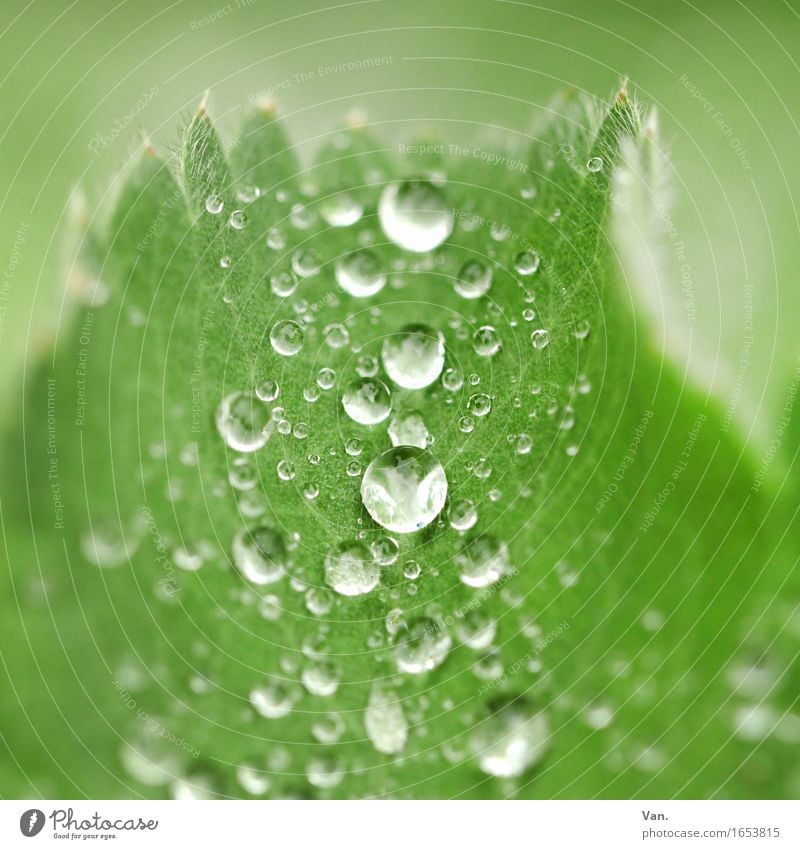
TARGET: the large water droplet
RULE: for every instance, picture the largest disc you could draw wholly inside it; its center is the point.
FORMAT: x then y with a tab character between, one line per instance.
415	215
350	569
385	721
260	554
404	489
243	422
414	357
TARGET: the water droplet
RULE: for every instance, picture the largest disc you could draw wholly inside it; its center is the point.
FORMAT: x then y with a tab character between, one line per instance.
286	470
385	550
336	336
466	424
342	210
404	489
414	357
412	570
270	608
305	262
272	700
462	514
252	780
360	274
276	239
598	715
286	338
325	772
243	422
350	569
483	561
326	378
408	428
511	741
595	164
415	215
267	390
524	443
452	379
526	263
108	543
260	554
354	446
238	219
540	338
421	646
479	404
476	629
283	284
385	721
149	757
320	678
328	728
486	341
214	204
582	328
474	279
367	401
367	366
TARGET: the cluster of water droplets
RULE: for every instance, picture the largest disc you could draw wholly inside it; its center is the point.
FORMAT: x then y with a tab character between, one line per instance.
405	488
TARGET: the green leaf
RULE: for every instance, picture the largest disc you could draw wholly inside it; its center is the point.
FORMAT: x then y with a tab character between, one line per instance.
608	627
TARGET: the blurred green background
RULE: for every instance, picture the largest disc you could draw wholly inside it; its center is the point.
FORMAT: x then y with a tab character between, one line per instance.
82	80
